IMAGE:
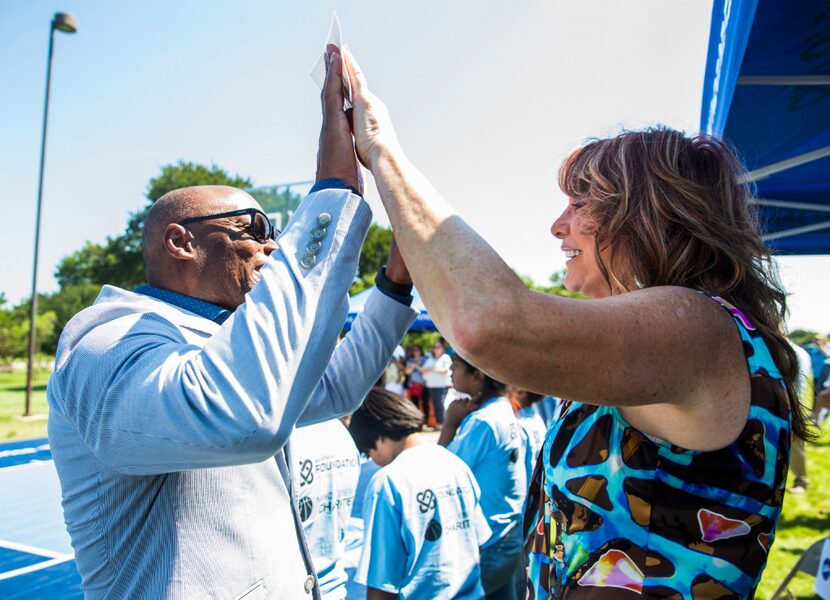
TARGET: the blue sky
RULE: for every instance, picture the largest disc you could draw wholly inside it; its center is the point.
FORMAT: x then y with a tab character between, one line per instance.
487	101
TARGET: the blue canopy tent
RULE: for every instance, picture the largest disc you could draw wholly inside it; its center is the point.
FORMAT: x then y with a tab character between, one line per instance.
422	321
767	90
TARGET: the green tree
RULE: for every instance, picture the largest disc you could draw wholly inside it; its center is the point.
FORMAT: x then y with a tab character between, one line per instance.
373	256
802	337
65	304
14	329
555	285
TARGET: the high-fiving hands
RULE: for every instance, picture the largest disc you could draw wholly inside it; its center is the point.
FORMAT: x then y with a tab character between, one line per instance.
371	125
335	154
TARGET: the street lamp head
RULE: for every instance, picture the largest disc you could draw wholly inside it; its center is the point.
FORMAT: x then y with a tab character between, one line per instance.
65	22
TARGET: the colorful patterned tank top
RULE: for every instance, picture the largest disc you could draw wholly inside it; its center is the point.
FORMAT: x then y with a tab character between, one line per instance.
612	513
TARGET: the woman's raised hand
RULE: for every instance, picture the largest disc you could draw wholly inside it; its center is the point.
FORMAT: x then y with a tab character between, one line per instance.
371	125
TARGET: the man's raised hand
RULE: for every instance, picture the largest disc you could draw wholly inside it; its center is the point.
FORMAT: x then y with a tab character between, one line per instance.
335	155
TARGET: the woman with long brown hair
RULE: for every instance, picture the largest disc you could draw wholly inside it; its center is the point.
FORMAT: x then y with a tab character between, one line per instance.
665	476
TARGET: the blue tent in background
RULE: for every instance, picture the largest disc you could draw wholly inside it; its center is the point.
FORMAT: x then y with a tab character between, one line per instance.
767	90
422	322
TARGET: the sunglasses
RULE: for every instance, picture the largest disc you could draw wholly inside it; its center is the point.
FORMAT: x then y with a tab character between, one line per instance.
260	226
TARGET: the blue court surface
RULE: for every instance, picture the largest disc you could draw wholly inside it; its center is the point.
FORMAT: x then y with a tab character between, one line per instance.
36	558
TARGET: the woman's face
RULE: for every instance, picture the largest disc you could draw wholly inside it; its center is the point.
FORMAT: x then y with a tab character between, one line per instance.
437	350
583	273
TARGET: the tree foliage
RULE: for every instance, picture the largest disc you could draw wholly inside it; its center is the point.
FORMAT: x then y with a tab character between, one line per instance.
14	329
802	337
373	256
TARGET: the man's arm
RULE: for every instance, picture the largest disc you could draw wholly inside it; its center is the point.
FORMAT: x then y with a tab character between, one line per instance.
145	401
361	357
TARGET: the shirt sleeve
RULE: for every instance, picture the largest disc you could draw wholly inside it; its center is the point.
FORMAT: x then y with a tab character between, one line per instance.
473	441
146	400
383	560
444	363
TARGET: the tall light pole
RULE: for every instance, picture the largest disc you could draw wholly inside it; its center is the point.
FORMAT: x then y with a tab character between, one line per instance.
67	24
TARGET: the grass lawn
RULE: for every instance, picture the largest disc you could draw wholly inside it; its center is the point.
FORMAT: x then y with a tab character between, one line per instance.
806	518
12	403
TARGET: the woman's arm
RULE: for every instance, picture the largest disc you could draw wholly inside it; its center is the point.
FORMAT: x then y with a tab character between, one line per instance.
658	346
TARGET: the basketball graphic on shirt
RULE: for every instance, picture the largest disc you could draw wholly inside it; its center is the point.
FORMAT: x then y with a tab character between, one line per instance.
306	508
426	500
433	531
514	455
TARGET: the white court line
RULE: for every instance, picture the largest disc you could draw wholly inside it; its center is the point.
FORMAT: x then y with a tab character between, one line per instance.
34	463
33	549
36	567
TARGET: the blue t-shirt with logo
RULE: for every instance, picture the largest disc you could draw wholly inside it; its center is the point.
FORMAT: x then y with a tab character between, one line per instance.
423	526
490	441
533	431
325	472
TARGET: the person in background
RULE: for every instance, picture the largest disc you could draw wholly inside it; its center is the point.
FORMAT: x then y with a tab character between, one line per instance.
415	386
549	408
423	521
665	475
483	431
326	471
393	376
436	372
806	391
526	406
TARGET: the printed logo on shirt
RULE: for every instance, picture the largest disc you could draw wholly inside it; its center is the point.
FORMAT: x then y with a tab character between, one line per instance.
306	472
306	508
514	455
426	500
329	502
514	431
433	531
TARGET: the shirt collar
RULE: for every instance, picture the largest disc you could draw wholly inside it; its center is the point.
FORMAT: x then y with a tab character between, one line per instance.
195	305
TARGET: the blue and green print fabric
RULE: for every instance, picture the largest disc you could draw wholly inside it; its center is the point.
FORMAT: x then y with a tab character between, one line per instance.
612	513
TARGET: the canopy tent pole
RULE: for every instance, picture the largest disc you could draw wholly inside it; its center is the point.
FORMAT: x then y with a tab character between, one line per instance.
793	205
796	231
795	161
784	80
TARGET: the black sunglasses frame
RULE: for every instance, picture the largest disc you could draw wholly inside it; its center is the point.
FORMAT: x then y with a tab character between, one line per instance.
272	234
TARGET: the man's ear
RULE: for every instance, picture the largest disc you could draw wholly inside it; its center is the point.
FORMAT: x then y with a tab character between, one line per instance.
178	242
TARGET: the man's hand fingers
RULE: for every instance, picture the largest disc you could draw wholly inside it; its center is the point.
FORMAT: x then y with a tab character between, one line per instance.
333	87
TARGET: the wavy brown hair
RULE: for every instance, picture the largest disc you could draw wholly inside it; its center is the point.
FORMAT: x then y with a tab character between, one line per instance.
673	210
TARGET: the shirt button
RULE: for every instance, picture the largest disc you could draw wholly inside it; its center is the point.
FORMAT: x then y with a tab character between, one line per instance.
308	261
318	233
323	219
313	247
309	584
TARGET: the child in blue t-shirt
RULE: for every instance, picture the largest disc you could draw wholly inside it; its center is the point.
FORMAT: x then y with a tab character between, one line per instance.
423	523
525	404
484	433
326	472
